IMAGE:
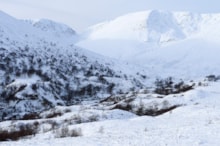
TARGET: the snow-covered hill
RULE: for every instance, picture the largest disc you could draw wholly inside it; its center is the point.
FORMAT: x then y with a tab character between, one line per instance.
195	122
181	44
58	90
156	27
41	68
27	31
150	26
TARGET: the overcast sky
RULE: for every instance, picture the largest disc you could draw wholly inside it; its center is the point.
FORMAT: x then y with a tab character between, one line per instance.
80	14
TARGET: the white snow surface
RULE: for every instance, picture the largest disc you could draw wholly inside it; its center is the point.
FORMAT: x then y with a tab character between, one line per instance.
196	123
28	31
177	43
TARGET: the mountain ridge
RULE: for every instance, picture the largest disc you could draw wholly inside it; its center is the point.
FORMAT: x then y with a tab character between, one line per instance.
157	19
160	41
40	71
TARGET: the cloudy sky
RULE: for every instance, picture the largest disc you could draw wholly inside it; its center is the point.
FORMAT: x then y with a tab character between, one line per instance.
80	14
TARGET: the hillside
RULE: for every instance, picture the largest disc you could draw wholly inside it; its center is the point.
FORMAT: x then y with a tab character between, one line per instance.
178	43
156	81
40	70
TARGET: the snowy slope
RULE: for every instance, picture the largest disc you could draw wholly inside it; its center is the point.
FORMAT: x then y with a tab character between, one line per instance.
133	32
129	34
194	123
24	31
40	67
57	90
155	26
190	59
181	44
149	26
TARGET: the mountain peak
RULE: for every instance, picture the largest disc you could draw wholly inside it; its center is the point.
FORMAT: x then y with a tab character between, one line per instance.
163	27
30	31
4	15
6	19
150	26
49	25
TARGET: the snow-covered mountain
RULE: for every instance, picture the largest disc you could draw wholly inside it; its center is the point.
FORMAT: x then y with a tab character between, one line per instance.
58	90
178	43
41	68
27	31
156	27
150	26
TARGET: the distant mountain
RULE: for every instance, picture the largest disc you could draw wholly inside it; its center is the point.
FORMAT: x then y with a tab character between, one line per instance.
181	44
28	31
40	67
148	26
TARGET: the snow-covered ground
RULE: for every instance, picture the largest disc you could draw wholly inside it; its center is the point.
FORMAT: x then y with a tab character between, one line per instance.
158	44
196	122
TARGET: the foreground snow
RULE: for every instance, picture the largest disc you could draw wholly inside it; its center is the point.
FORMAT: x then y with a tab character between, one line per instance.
197	122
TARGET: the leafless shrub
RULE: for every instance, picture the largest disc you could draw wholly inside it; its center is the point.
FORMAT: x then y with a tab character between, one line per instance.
212	78
168	86
49	125
66	132
78	119
21	131
67	110
93	118
54	113
30	116
101	130
54	124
